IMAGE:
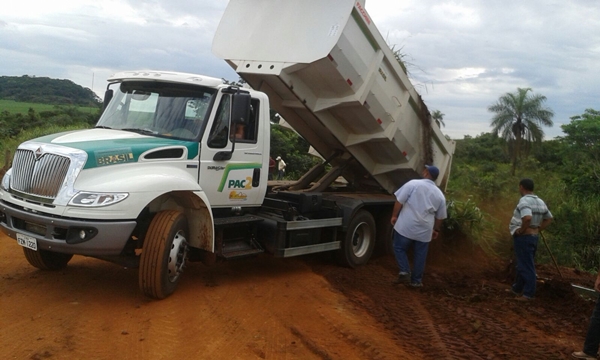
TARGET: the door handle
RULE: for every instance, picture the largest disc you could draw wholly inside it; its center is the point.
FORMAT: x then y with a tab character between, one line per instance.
256	177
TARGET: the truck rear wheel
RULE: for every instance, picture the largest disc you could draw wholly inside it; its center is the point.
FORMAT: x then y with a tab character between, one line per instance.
47	260
359	240
163	254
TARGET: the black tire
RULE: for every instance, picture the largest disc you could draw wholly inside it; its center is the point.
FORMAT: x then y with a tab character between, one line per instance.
359	240
163	254
47	260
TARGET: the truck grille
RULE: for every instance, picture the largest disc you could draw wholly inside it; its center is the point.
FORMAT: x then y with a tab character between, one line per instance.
42	177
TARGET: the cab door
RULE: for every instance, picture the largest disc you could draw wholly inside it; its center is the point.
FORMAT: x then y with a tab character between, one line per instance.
240	179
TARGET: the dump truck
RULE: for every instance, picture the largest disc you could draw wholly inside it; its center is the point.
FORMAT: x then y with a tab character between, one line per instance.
176	168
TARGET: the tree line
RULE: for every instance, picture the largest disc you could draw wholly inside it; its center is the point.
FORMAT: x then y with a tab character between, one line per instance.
46	91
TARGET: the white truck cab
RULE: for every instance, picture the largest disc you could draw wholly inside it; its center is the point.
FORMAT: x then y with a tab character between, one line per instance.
229	159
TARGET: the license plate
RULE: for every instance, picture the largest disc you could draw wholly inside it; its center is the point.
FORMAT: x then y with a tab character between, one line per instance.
27	241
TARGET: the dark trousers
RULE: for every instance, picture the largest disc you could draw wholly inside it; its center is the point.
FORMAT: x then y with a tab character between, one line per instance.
402	245
525	249
592	340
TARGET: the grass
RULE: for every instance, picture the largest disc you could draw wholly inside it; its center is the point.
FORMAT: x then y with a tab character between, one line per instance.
16	107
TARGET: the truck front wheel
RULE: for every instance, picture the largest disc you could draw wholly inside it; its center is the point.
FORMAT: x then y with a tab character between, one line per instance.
47	260
163	254
359	240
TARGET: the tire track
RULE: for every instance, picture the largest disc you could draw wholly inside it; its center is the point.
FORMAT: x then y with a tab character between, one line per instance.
455	316
366	346
416	326
481	330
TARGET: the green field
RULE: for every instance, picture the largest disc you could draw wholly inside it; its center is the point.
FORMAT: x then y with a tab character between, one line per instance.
15	107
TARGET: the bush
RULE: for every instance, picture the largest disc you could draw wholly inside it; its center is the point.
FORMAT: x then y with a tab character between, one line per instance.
575	233
466	219
486	181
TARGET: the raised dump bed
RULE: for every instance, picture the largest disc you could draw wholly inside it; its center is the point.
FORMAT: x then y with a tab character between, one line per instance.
330	74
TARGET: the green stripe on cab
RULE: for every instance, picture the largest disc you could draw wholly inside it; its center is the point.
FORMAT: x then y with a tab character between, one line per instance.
122	150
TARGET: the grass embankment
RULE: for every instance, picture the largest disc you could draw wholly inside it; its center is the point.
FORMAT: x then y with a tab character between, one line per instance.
482	204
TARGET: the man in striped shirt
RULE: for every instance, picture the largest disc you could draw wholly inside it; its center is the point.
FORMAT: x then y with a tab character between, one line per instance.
530	217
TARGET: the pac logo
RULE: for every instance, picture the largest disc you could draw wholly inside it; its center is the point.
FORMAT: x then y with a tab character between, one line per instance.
240	184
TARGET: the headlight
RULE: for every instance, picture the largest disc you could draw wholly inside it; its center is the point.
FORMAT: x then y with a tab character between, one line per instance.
6	180
89	199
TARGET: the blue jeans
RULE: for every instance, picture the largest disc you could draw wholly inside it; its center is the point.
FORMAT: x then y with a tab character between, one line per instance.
592	339
525	248
401	246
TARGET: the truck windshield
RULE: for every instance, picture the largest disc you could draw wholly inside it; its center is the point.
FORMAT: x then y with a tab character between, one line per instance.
159	109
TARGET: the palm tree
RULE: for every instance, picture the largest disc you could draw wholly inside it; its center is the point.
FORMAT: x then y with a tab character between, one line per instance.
438	116
520	116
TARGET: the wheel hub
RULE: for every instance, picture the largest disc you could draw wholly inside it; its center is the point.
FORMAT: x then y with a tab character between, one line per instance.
361	238
177	256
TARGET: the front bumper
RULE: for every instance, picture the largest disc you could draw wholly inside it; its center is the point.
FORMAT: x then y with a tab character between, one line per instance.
60	234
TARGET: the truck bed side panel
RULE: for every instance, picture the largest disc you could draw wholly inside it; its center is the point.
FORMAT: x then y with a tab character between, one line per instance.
335	81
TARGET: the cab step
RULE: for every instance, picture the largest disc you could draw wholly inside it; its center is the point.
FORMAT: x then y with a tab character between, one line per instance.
241	248
230	221
236	236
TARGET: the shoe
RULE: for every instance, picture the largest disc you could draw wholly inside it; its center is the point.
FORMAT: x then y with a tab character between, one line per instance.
523	298
416	285
582	355
403	278
511	290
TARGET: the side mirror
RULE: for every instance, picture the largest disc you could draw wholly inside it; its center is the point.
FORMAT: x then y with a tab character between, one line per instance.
240	109
108	95
240	114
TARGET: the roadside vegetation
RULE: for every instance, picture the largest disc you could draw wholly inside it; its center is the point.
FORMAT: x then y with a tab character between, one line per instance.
566	171
12	124
483	187
36	106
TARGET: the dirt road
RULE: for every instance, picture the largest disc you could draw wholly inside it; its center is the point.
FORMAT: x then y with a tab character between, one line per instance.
267	308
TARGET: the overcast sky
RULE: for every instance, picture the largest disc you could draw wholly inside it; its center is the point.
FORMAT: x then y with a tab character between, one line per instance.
465	54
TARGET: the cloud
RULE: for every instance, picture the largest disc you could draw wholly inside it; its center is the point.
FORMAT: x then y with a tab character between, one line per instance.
464	54
469	53
89	39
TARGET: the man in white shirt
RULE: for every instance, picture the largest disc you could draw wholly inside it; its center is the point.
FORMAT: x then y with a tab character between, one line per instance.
417	218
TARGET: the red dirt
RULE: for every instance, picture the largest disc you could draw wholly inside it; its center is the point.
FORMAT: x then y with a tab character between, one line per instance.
302	308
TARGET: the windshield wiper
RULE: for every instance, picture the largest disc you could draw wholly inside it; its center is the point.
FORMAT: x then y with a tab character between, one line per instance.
102	127
141	131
